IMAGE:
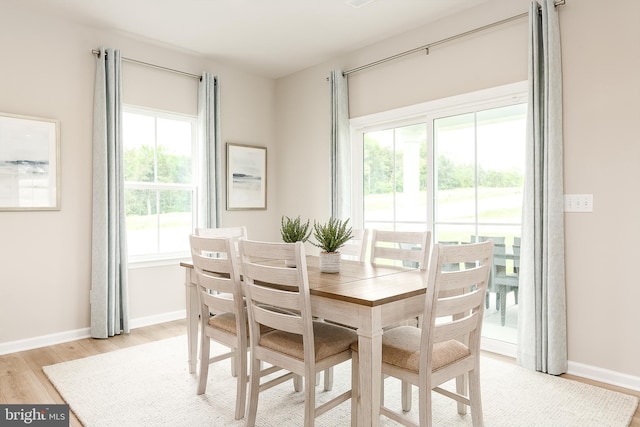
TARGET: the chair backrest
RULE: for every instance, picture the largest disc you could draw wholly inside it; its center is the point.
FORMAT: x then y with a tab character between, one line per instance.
499	251
277	296
502	261
235	233
356	247
454	304
410	247
516	254
217	277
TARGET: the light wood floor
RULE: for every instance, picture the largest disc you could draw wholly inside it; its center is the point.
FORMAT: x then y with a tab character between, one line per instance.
22	380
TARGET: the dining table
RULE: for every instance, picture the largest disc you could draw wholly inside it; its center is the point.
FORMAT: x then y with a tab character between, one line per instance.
361	295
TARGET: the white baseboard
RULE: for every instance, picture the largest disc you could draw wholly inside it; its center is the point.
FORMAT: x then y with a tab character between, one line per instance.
77	334
594	373
43	341
158	318
604	375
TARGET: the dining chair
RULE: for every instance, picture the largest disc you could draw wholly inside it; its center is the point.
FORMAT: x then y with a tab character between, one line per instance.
499	251
237	233
448	344
409	247
298	343
356	247
220	292
505	279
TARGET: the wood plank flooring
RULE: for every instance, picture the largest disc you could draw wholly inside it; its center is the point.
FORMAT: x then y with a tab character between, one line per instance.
23	381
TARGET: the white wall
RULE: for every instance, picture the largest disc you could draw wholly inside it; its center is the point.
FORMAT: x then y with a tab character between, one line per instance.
601	64
47	70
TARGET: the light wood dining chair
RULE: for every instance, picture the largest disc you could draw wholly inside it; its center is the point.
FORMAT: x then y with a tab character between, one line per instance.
411	248
220	292
505	277
408	248
499	251
448	344
356	247
278	298
235	233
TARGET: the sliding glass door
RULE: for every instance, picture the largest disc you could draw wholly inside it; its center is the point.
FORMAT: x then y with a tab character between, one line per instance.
459	172
478	182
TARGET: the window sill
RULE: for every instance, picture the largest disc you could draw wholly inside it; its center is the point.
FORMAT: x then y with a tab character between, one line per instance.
157	261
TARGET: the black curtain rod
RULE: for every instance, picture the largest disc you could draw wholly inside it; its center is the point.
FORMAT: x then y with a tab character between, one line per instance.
439	42
159	67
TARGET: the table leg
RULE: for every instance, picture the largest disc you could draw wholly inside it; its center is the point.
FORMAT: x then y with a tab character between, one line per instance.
370	361
191	299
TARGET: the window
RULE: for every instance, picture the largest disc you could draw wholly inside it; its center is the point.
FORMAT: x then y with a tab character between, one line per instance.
160	182
453	166
394	180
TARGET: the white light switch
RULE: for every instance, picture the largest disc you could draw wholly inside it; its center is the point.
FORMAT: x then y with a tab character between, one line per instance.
578	202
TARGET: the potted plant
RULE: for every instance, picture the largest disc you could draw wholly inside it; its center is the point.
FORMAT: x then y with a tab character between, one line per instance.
294	230
330	237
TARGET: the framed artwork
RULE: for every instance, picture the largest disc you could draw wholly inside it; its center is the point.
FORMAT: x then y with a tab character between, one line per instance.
29	163
246	177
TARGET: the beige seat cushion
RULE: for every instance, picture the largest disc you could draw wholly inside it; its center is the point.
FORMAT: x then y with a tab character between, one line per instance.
227	322
224	321
401	348
329	340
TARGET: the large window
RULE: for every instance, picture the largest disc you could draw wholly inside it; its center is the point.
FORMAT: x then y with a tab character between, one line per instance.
455	167
160	189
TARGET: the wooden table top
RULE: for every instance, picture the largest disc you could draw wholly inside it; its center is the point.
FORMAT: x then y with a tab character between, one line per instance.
362	283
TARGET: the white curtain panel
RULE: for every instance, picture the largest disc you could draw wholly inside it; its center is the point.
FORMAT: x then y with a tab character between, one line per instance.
109	287
542	330
210	152
340	147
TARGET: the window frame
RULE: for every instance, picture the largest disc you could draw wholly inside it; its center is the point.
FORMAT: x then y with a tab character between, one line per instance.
427	112
166	258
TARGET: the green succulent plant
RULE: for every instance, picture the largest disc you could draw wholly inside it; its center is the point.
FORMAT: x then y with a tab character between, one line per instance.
332	235
294	230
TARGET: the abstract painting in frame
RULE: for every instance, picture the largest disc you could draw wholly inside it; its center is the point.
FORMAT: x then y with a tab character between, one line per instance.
29	163
246	177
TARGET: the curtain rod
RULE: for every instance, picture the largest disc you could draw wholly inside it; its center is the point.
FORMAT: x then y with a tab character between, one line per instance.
159	67
426	47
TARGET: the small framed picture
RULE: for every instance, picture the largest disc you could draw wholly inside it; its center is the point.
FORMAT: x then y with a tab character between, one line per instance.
246	177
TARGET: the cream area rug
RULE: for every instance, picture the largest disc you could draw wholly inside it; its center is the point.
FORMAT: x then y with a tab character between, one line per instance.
149	385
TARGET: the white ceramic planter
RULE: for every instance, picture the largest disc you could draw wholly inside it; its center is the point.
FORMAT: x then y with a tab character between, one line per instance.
329	262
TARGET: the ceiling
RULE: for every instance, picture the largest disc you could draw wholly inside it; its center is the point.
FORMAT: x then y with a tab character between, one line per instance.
273	38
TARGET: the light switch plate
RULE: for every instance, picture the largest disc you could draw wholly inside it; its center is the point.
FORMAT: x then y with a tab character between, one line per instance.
578	202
